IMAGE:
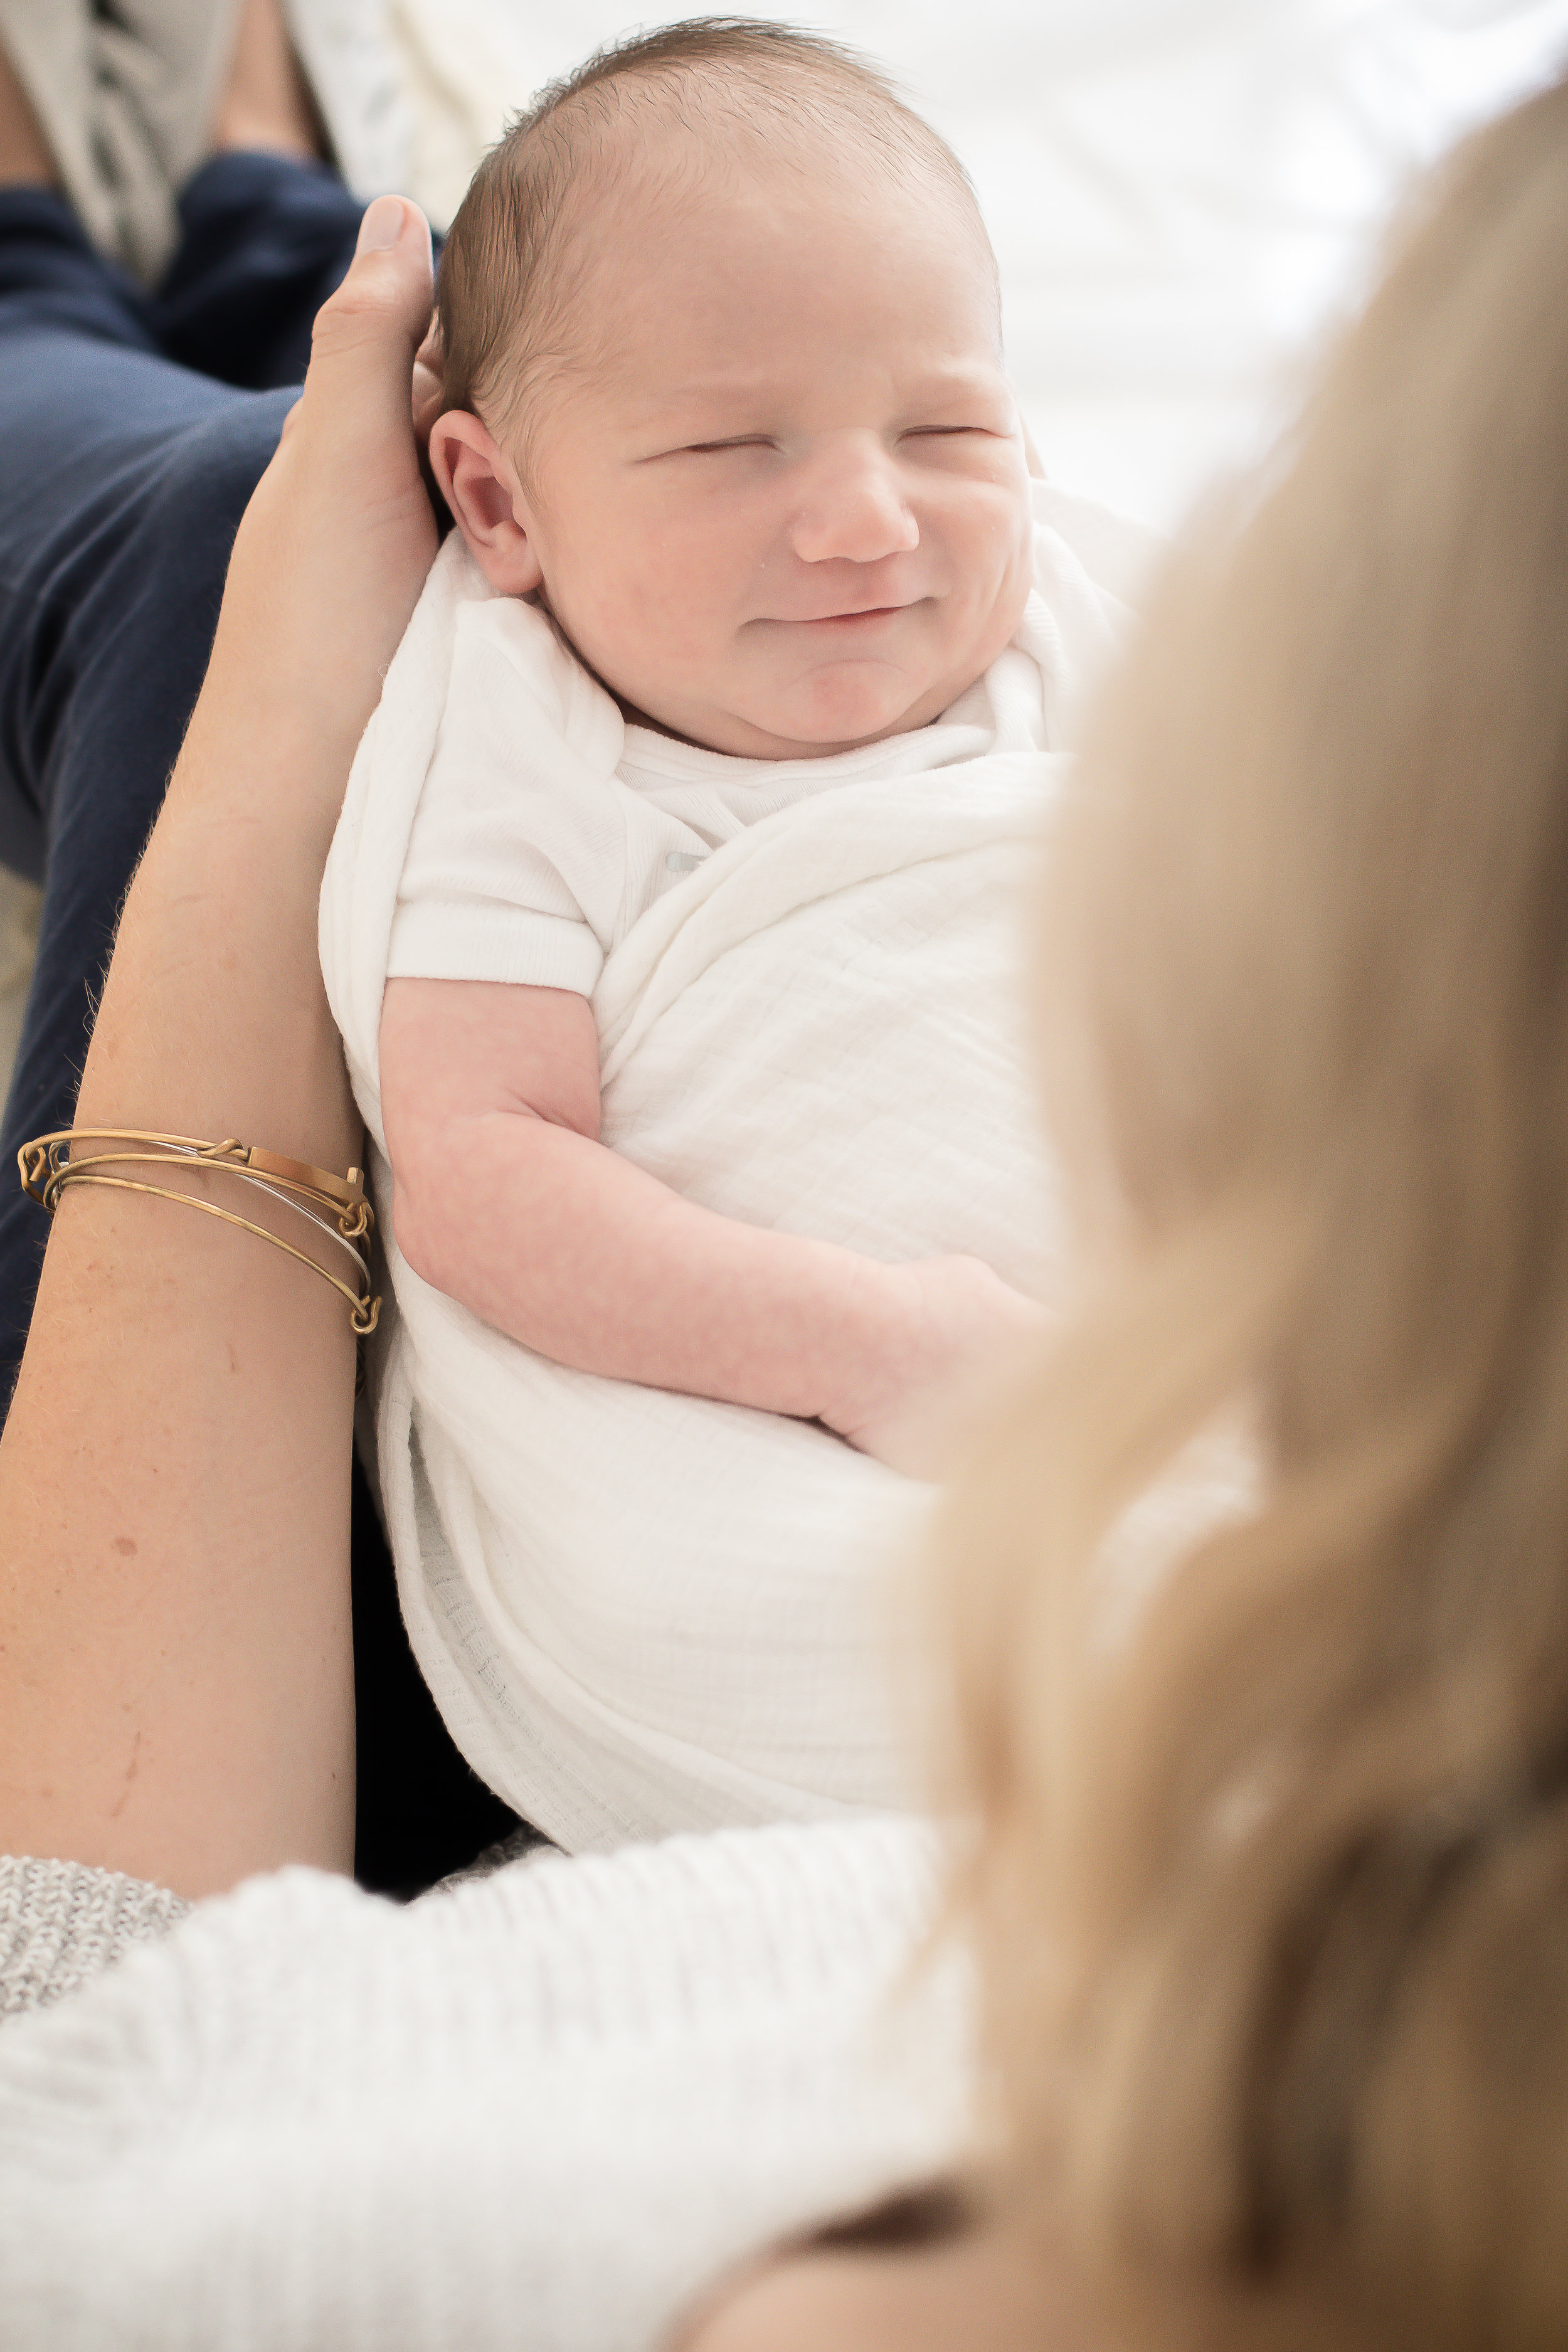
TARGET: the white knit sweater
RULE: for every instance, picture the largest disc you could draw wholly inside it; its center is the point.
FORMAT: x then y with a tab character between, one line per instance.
541	2109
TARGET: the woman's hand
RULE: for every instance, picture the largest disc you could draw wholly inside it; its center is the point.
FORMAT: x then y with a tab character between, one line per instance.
335	544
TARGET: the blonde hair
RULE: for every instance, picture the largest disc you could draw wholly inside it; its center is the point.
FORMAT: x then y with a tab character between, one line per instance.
1271	1886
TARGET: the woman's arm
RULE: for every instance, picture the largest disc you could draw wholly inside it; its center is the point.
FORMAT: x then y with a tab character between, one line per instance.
175	1665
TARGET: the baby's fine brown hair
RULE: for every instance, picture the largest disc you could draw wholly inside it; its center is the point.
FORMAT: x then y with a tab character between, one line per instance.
516	257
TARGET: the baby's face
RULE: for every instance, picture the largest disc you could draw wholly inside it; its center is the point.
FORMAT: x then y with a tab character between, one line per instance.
788	510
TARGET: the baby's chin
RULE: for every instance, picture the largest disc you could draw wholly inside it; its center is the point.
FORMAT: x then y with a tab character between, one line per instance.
816	724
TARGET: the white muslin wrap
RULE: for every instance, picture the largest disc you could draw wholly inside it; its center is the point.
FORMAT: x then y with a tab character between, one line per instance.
638	1612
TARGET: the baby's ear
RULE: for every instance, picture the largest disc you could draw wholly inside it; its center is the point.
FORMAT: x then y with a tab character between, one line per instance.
481	486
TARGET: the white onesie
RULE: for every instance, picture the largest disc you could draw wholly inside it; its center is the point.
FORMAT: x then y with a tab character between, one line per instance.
642	1612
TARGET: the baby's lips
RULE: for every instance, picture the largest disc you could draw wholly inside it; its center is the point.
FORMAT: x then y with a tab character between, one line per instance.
861	611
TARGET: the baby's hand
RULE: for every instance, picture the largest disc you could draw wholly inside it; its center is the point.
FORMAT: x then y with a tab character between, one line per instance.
960	1333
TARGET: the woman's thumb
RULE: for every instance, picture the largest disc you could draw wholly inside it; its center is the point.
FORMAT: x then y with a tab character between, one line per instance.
374	323
385	224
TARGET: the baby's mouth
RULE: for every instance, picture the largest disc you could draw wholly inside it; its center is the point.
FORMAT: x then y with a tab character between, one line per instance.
859	615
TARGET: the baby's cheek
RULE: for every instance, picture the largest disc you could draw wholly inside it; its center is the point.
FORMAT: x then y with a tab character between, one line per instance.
667	621
616	622
1009	559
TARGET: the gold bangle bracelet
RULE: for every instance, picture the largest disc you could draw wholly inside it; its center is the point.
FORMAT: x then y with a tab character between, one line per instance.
40	1161
48	1165
343	1215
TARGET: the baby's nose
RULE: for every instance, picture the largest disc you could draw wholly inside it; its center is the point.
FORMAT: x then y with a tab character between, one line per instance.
852	507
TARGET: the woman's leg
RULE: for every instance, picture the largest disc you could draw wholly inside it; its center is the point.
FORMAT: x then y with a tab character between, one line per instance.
264	241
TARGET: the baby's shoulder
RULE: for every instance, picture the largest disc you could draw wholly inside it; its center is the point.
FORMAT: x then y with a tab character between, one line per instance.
509	657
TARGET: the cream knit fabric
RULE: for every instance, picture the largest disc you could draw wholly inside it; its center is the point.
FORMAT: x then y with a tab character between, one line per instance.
61	1925
541	2110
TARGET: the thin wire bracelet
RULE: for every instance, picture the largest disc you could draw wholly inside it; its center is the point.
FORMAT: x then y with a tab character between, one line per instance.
365	1311
334	1206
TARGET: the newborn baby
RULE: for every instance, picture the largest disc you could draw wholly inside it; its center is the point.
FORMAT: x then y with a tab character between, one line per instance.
666	928
734	413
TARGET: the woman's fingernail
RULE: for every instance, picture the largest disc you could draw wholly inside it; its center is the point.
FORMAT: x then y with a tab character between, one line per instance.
381	226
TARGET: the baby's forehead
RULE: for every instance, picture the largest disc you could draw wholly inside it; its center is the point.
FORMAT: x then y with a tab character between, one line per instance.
656	173
662	215
734	329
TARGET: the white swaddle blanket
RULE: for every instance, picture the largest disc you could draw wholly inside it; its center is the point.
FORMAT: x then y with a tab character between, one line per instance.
640	1611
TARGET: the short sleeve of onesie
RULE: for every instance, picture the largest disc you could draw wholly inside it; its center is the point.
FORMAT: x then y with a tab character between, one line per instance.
516	852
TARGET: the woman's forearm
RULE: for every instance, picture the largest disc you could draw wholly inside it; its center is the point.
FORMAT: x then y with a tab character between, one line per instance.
175	1485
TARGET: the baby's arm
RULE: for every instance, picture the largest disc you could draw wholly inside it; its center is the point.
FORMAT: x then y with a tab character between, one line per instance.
505	1199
